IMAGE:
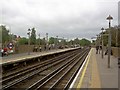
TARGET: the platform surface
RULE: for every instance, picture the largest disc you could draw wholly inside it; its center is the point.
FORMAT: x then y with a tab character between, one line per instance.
21	57
96	74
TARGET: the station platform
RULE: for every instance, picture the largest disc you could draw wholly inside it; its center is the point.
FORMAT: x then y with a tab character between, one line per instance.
24	56
95	73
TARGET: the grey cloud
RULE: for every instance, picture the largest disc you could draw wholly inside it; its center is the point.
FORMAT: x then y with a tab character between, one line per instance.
68	23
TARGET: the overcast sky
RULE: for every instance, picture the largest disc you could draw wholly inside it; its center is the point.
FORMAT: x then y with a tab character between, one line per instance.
62	18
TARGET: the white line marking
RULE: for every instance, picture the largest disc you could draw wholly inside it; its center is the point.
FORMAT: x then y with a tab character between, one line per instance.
71	86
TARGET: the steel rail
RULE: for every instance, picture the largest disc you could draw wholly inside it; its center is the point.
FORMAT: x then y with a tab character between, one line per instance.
63	75
56	84
24	71
49	75
19	80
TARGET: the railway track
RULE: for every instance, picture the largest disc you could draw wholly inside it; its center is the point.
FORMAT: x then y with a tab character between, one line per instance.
17	77
62	77
14	74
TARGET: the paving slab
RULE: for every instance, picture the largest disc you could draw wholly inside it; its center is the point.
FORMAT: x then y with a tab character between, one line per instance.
98	75
109	76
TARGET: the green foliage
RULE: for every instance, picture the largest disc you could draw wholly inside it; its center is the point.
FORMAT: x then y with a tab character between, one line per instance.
76	41
0	34
118	37
105	39
23	41
33	36
113	37
84	42
43	41
39	41
71	42
52	40
93	42
5	34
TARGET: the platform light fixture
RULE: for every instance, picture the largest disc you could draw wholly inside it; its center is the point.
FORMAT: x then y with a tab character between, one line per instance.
28	41
102	42
39	38
109	18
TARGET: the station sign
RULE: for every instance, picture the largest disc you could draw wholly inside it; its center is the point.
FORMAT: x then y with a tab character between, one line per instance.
10	45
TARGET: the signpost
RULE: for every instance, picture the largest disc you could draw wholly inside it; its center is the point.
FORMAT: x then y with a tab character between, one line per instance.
10	46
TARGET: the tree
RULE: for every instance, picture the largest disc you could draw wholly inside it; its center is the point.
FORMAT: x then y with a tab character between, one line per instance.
33	36
71	42
113	36
5	34
105	38
84	42
52	40
93	42
23	41
118	37
76	41
0	35
43	41
14	37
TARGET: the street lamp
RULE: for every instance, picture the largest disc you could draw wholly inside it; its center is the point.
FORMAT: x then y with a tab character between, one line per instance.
39	38
102	41
56	42
63	41
109	40
109	18
28	41
46	40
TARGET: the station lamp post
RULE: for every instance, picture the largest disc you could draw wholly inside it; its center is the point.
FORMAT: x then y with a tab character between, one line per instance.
46	41
29	41
63	42
109	18
46	38
98	36
102	42
39	38
56	42
98	40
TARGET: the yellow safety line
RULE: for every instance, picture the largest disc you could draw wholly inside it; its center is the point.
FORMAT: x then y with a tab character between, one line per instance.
83	73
